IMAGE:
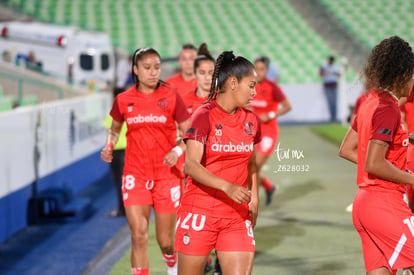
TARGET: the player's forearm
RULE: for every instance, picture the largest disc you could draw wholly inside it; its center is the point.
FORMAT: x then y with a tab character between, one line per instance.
349	146
199	173
351	155
286	107
384	169
113	134
252	182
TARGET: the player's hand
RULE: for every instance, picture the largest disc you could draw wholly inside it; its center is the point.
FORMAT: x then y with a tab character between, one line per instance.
106	154
237	193
171	158
253	211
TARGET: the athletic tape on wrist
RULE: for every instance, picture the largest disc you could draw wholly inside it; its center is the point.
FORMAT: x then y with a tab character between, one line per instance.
272	115
178	150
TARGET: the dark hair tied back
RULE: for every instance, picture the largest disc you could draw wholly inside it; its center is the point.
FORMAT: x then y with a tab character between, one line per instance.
228	65
390	65
202	55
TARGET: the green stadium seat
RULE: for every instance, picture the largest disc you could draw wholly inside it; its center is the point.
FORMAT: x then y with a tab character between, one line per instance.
29	100
6	103
249	28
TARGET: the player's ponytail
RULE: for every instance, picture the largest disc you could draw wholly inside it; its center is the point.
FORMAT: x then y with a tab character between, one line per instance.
203	54
138	54
228	65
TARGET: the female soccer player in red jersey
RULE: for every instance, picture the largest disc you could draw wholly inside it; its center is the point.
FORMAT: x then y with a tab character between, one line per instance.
219	207
377	141
408	114
203	70
266	105
151	110
185	81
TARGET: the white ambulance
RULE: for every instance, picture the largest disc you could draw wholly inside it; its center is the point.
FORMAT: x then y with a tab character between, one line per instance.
76	56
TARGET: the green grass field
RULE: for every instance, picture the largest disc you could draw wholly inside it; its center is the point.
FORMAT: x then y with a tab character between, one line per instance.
332	132
306	229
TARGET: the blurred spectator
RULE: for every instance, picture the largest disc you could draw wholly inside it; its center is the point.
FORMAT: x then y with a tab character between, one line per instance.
29	61
123	72
6	56
330	74
129	83
32	63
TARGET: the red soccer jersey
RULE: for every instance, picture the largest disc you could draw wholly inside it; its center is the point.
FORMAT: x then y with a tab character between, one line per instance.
228	145
358	103
181	85
380	118
267	99
151	129
192	101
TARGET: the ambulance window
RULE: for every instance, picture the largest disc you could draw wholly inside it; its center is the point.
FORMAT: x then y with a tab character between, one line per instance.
86	62
104	62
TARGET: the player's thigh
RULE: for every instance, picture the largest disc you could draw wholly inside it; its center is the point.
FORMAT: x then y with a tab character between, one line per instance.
191	265
260	160
138	219
236	262
164	228
166	195
386	227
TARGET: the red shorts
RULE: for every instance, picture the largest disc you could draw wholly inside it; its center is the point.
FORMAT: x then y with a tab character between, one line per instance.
198	234
164	195
269	140
266	145
386	227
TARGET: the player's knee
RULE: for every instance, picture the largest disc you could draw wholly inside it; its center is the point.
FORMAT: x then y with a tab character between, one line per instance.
139	237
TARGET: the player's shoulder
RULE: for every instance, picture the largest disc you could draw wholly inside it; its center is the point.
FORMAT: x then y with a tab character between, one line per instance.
273	85
174	78
250	114
125	95
167	89
205	109
188	95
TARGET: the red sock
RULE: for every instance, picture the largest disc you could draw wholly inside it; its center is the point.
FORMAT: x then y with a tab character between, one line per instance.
170	260
140	271
267	184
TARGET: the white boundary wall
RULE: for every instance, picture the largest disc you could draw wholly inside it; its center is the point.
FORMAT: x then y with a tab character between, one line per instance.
67	131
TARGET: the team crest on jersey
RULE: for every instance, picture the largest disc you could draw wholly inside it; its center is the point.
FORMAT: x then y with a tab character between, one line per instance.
130	107
186	239
219	126
248	128
162	103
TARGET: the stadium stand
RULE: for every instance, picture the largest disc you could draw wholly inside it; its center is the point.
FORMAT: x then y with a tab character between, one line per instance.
371	21
250	28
